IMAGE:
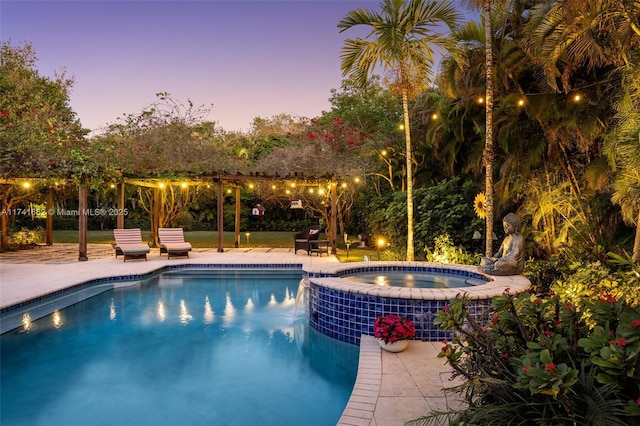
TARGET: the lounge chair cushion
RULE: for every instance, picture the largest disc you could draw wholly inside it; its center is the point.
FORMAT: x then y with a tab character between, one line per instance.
134	248
178	247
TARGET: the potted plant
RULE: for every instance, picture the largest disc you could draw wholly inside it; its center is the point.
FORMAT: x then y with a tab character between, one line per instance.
393	332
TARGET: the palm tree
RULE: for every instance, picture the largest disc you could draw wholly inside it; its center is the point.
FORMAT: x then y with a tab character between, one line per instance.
623	150
403	40
596	37
488	155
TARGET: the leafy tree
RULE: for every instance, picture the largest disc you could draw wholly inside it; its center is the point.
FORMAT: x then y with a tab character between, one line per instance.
41	137
324	152
376	112
164	144
593	47
166	139
402	41
268	133
40	133
536	127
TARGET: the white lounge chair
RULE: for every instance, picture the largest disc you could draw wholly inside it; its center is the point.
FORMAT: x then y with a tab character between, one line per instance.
129	244
172	242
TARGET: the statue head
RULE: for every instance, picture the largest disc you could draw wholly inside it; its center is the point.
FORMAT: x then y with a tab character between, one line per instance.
513	220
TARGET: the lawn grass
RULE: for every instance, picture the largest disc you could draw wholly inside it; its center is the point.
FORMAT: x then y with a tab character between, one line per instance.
198	239
209	239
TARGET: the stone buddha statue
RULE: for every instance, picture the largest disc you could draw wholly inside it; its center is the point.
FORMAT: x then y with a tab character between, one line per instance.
509	259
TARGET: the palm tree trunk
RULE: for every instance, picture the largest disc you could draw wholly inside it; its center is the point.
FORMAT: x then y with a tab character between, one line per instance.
409	155
488	150
636	243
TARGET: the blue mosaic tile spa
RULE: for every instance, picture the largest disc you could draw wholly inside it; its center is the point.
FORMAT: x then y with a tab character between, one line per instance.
345	310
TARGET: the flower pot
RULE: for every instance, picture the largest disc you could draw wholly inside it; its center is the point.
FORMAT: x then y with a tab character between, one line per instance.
397	346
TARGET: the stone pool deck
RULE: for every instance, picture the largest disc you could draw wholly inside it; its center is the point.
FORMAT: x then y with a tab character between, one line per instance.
390	390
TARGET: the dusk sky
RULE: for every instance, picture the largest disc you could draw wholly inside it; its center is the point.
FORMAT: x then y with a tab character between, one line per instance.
245	58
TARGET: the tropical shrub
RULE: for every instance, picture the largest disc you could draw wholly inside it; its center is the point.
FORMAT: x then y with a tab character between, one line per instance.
541	360
27	237
445	208
444	251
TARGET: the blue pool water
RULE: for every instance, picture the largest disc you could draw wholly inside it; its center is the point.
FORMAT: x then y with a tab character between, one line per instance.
410	279
183	348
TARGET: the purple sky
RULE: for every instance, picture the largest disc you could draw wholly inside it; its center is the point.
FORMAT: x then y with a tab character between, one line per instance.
247	58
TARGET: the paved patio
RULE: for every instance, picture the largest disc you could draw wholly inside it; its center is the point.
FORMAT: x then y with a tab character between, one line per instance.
390	388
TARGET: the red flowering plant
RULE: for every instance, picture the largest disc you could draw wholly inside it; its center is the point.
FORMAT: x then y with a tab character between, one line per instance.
392	328
545	355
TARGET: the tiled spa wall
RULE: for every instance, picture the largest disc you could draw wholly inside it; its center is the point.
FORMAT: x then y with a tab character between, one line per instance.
345	316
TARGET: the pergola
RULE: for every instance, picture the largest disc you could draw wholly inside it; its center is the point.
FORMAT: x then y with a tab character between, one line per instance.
218	180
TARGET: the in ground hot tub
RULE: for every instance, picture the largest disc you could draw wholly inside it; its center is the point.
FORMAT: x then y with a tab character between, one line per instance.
341	306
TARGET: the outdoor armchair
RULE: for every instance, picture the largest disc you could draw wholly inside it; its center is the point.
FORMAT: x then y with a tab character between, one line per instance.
304	239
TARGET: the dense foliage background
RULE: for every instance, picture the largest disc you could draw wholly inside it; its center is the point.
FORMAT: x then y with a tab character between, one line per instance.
565	132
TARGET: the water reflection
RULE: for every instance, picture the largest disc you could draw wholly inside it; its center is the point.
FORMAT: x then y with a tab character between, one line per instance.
223	303
289	298
272	300
229	310
161	311
57	319
249	306
112	310
26	322
208	311
185	317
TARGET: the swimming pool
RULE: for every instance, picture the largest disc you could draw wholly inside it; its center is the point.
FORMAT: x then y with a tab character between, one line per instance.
183	347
